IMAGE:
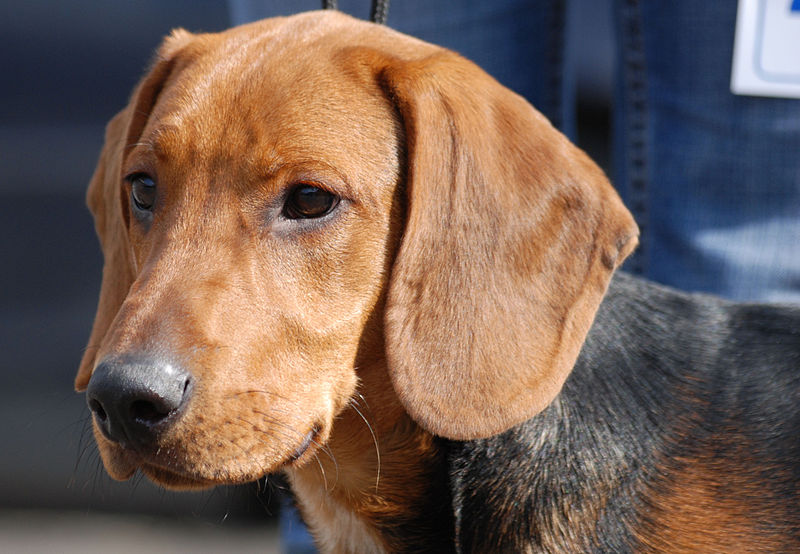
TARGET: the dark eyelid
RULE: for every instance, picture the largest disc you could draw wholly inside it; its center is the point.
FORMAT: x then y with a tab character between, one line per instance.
132	176
317	174
312	183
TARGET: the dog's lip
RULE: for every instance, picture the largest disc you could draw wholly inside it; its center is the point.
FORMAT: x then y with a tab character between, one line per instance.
126	461
309	440
172	479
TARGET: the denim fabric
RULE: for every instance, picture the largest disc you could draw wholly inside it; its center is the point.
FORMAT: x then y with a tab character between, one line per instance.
713	178
295	538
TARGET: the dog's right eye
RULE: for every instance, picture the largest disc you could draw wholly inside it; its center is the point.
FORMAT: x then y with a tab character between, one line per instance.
307	201
143	191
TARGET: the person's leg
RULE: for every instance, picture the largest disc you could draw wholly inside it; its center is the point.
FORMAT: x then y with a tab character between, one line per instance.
713	178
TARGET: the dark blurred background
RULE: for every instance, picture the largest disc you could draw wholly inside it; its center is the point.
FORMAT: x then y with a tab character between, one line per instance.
65	69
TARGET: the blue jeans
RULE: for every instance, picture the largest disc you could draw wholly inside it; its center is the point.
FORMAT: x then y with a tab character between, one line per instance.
712	178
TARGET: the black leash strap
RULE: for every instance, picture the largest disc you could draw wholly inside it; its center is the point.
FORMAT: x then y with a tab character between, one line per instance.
380	10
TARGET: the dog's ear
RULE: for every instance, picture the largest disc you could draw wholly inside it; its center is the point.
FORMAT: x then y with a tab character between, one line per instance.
107	204
511	237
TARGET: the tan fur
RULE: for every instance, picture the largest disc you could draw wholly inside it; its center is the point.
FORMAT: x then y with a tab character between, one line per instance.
464	265
336	527
710	502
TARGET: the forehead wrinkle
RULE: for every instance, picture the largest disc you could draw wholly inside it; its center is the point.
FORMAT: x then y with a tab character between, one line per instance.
163	136
240	62
256	51
258	107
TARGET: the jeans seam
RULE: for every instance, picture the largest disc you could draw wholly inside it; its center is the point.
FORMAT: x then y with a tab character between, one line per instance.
555	60
636	127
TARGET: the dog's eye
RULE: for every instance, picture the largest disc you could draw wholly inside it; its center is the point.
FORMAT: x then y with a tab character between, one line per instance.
143	191
307	201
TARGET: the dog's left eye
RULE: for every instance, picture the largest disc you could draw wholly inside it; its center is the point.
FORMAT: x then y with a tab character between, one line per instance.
143	191
307	201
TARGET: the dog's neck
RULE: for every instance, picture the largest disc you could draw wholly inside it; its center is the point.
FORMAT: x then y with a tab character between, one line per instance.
381	483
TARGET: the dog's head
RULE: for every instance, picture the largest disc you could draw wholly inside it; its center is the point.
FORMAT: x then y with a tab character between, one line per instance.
290	203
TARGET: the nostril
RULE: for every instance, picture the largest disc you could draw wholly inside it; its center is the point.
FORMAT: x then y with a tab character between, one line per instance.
147	412
97	410
156	404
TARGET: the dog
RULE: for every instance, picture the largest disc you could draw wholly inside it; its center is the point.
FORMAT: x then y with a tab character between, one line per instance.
341	253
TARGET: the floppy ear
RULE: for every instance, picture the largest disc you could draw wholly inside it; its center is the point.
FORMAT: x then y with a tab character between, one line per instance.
511	237
107	205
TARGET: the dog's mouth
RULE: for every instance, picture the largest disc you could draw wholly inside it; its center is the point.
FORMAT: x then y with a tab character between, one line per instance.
199	470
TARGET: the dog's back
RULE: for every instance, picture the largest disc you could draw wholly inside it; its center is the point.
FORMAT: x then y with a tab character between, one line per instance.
677	431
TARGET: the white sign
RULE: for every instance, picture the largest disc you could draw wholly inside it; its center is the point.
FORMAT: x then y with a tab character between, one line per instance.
766	51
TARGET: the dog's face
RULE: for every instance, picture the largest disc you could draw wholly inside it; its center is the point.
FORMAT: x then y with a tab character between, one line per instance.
288	204
259	245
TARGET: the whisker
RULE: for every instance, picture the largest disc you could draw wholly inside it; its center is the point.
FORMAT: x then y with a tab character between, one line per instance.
359	399
84	445
259	391
374	441
280	428
322	471
329	452
281	410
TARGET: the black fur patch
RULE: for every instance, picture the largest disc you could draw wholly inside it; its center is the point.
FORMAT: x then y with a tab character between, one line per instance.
662	376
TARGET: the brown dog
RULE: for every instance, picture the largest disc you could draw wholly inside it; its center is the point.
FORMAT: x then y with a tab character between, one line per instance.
339	252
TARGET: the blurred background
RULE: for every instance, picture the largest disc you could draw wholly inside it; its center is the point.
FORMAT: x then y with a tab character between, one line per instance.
65	69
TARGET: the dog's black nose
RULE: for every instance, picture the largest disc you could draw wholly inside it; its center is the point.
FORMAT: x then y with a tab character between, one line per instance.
134	398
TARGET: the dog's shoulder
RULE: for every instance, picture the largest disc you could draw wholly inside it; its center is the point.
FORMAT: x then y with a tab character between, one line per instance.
668	386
